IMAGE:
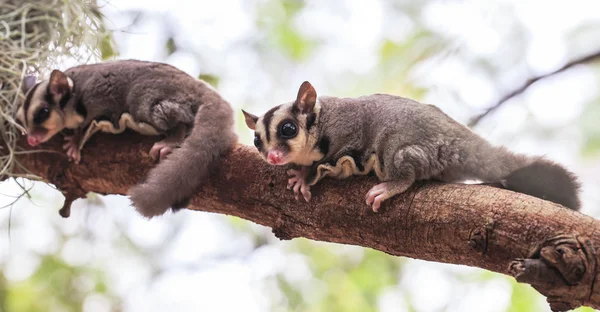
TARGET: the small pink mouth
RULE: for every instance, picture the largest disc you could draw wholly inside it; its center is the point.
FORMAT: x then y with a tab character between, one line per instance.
276	158
33	141
276	163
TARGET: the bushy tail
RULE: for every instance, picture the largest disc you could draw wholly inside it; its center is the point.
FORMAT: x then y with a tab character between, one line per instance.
547	180
533	176
176	179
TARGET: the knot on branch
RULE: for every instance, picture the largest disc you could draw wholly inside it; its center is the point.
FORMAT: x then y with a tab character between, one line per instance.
283	229
70	195
70	190
563	268
479	238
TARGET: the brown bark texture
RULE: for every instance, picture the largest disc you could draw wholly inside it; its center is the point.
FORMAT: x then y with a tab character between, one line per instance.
538	242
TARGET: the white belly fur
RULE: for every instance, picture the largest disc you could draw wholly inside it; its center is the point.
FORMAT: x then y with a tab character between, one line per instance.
346	167
126	121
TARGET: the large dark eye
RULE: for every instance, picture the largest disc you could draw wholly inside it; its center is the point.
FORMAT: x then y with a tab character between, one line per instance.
257	141
41	115
289	130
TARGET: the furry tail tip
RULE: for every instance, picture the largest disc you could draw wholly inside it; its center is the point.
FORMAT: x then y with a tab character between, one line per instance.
144	204
546	180
150	206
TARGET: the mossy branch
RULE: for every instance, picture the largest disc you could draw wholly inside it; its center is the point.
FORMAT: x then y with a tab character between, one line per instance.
35	36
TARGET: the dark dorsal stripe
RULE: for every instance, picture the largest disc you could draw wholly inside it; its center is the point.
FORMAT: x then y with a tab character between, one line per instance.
65	99
310	120
357	156
80	108
50	99
323	145
27	102
312	174
267	122
260	146
48	96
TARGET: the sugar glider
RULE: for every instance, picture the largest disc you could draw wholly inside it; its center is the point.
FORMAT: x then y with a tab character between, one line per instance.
150	98
399	140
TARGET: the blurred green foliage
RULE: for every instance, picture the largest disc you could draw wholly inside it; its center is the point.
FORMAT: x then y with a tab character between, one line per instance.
521	299
54	286
351	284
348	281
211	79
107	47
589	126
276	21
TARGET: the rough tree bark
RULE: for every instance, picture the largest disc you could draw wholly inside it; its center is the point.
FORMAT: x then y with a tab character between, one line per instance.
535	241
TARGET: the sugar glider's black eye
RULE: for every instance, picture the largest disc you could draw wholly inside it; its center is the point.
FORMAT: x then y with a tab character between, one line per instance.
289	130
41	115
257	141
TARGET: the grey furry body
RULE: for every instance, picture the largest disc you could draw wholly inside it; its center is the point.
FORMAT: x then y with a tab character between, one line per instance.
154	93
411	140
401	141
186	168
196	121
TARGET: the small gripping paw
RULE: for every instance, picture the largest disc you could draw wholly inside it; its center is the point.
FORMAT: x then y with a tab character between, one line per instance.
377	194
160	150
71	147
297	182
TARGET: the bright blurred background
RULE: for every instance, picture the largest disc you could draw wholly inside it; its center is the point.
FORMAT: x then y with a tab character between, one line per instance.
460	55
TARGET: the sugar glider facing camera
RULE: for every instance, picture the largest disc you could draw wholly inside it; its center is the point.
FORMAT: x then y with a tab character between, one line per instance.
401	141
150	98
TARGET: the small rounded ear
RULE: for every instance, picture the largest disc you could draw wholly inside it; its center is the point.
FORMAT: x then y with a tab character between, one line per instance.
250	120
28	83
306	99
58	84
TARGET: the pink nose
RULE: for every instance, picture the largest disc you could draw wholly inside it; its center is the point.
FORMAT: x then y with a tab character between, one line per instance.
33	141
274	157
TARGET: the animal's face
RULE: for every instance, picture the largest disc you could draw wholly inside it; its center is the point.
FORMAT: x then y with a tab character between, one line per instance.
41	113
283	134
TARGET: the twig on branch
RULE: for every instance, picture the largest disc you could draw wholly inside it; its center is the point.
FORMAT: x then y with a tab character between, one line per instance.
474	225
585	59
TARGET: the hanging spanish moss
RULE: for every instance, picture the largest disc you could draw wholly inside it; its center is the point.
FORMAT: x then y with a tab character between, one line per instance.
36	36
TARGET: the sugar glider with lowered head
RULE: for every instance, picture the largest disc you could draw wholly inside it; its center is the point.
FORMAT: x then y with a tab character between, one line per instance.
398	139
150	98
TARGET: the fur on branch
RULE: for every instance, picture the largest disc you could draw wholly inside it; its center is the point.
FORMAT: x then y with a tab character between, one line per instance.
538	242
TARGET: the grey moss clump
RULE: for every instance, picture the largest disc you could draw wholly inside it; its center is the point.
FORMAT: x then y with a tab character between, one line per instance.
37	35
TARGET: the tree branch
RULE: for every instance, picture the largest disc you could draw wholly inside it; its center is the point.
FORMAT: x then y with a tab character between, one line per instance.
582	60
536	241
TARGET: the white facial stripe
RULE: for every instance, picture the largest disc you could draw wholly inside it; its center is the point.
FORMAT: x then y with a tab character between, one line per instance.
259	130
302	146
283	113
277	116
37	99
57	119
302	149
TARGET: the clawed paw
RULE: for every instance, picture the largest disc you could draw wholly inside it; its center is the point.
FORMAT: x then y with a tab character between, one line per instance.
72	148
297	183
376	195
160	150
